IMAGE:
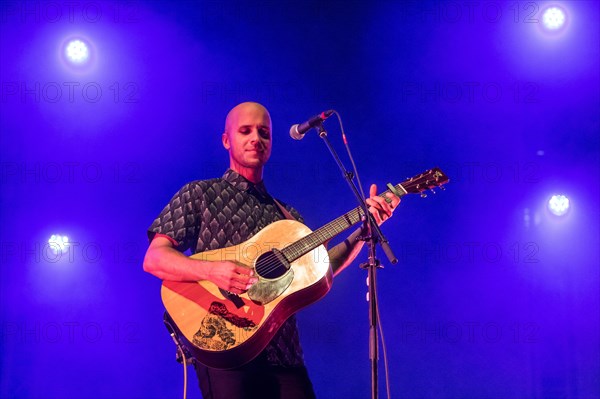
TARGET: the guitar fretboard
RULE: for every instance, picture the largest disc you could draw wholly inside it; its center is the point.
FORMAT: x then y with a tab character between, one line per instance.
330	230
418	184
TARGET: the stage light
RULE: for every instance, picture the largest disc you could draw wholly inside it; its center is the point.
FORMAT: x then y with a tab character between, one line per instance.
77	52
58	243
553	18
558	205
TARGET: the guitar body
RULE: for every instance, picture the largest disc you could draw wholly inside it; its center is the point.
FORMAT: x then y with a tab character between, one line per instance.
224	330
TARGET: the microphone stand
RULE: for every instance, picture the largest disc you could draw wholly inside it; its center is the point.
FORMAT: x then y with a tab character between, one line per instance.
372	238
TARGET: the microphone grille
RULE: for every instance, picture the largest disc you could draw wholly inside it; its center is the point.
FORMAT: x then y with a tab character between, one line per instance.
295	134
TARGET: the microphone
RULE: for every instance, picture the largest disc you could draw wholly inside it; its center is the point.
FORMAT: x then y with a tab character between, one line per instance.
298	131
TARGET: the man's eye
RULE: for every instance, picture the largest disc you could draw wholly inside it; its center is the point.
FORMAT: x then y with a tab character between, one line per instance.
265	133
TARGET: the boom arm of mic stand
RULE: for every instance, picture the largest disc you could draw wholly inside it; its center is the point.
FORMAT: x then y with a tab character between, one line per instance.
374	229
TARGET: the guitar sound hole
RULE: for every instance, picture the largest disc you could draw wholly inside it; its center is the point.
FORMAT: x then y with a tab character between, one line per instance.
271	265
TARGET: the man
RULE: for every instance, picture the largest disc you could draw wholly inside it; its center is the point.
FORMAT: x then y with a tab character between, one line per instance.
222	212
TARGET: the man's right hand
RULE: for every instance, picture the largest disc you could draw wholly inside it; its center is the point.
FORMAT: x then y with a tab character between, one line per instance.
166	263
230	276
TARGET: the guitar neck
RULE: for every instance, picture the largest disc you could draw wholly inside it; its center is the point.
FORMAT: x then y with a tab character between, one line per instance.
330	230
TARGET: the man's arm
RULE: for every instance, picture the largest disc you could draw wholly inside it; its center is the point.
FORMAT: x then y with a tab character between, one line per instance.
343	254
165	262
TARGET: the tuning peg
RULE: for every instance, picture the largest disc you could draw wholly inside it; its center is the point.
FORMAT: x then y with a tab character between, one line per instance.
442	188
423	194
432	190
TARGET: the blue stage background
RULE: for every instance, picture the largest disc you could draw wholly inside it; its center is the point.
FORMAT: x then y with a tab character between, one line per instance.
493	297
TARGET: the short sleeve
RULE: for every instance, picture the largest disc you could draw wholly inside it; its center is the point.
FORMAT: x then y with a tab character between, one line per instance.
180	220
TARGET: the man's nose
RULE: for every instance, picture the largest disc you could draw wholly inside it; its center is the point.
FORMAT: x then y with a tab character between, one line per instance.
254	135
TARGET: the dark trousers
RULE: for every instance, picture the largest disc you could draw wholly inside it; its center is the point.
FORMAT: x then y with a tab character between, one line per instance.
255	382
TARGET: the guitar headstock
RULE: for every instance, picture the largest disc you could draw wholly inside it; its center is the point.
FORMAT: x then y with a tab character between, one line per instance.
427	180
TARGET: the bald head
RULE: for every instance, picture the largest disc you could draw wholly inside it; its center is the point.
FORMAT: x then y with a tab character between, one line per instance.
245	108
247	138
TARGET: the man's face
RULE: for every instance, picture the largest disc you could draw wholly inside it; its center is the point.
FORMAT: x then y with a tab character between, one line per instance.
248	136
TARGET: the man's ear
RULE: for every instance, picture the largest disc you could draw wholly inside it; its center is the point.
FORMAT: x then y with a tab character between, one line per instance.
225	140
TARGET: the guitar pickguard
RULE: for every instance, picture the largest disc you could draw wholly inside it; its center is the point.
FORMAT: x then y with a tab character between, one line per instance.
265	291
274	276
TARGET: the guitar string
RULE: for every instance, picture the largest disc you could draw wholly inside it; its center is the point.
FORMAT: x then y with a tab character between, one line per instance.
272	263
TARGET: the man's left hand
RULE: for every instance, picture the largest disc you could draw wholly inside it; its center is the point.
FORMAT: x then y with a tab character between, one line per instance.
381	207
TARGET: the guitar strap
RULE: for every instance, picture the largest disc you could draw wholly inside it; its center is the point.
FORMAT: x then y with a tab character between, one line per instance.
285	212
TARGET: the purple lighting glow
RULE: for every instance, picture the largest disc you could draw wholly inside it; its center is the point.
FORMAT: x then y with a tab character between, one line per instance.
558	205
553	18
77	52
58	243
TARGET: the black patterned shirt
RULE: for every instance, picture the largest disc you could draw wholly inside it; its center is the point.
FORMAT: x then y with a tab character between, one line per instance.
219	213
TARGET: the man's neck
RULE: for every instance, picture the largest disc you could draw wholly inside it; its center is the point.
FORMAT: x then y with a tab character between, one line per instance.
253	175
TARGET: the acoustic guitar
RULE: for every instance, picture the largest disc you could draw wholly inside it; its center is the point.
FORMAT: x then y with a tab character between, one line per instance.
223	330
